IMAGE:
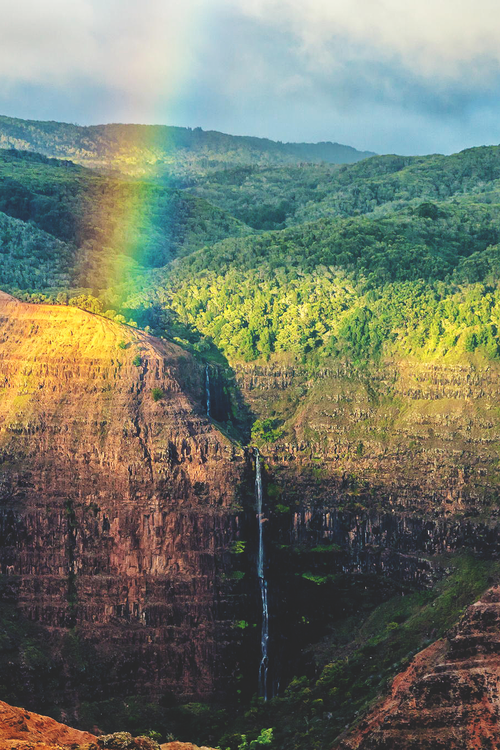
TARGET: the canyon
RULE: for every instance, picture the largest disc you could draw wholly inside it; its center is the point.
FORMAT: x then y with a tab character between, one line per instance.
118	511
129	537
448	696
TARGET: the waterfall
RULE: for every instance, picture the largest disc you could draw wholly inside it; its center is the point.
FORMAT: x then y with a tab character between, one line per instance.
264	637
207	389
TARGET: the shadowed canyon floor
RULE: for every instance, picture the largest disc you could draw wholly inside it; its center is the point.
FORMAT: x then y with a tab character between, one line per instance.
447	699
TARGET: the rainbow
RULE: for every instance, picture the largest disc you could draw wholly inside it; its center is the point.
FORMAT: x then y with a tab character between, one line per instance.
128	224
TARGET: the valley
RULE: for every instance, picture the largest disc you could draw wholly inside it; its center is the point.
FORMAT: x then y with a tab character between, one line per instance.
266	391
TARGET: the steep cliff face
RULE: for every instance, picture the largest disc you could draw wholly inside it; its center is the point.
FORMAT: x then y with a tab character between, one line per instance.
403	436
118	500
449	696
403	457
376	473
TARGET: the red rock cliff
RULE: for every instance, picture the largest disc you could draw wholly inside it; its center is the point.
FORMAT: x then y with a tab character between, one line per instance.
23	730
449	697
116	510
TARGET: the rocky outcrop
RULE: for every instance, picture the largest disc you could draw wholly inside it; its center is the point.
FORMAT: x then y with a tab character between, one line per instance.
118	500
23	730
449	697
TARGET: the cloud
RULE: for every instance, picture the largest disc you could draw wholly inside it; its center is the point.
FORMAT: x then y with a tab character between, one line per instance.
45	41
140	49
430	38
410	75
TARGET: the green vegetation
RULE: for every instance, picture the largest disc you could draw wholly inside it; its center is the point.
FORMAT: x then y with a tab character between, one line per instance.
402	257
259	259
366	650
238	547
272	198
170	154
264	739
109	227
266	430
347	287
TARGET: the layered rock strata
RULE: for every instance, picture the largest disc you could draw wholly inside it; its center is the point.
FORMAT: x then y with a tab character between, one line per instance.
449	697
118	498
402	436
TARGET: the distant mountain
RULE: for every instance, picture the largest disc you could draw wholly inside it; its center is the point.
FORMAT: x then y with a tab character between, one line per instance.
162	151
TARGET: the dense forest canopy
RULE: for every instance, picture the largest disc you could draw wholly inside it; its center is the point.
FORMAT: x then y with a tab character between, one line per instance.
391	255
162	152
111	222
274	198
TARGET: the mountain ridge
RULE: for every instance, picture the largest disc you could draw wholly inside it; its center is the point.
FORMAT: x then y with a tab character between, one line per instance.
161	150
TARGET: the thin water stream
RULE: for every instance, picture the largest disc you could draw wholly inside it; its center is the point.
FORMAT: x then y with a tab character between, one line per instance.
207	389
261	574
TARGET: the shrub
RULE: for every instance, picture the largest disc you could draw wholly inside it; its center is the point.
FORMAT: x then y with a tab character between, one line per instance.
266	430
157	394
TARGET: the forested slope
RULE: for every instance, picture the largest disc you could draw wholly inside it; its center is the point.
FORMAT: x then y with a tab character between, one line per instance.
114	224
274	198
162	152
411	269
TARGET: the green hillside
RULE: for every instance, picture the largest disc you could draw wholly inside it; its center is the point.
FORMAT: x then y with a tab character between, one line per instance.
110	221
159	151
422	281
401	256
274	198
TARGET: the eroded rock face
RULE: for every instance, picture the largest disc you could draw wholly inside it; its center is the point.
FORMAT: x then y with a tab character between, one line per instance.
403	436
22	729
449	697
392	464
118	498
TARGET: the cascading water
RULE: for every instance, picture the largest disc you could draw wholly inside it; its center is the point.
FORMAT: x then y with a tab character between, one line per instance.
207	389
264	637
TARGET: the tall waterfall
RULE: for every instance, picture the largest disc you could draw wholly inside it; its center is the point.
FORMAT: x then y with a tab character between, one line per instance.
207	389
264	637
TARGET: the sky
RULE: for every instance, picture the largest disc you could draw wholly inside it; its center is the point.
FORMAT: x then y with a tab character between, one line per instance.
390	76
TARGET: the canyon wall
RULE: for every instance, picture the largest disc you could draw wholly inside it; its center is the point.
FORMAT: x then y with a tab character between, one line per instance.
380	473
405	454
448	698
406	436
119	501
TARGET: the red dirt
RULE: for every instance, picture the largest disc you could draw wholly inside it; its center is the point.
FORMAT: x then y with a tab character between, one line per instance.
23	730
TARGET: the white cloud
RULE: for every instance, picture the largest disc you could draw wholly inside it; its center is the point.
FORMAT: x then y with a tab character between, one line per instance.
284	68
429	37
138	48
42	41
